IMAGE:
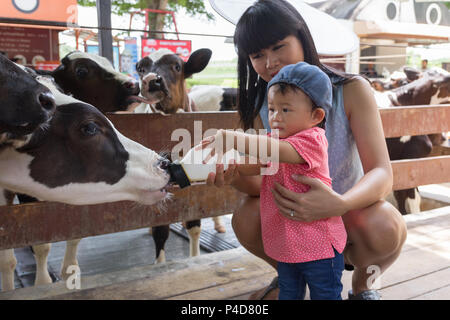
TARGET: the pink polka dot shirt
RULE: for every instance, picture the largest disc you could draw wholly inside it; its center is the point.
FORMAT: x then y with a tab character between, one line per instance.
292	241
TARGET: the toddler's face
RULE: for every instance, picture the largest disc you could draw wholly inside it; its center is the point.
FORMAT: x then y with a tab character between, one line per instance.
290	112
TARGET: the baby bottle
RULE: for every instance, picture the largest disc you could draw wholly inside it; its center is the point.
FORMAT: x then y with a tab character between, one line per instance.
192	169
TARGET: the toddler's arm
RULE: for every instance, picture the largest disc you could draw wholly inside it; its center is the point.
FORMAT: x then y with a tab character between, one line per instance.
261	147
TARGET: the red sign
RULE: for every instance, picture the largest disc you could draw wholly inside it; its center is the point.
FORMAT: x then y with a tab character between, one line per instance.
181	47
47	65
29	45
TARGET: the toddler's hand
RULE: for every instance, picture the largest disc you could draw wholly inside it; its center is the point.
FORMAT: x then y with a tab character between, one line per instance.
217	145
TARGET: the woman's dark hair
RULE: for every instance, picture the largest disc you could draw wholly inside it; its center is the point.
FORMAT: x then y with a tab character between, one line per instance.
262	25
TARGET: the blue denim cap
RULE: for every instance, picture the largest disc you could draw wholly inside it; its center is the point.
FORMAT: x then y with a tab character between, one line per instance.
310	79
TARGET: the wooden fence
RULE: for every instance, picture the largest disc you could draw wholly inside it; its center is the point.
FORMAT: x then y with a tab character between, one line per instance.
43	222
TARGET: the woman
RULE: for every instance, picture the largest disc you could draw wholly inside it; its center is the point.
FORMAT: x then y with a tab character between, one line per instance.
270	35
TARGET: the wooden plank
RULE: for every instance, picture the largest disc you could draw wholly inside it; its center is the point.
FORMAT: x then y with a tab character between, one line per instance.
229	290
44	222
415	120
417	262
160	281
417	172
418	286
170	284
439	294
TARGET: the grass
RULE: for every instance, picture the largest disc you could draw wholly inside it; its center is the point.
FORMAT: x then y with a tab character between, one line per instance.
220	73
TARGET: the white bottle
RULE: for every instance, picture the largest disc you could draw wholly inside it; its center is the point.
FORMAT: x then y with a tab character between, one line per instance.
192	169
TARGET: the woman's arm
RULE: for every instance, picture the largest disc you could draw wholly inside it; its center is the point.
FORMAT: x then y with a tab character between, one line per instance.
365	122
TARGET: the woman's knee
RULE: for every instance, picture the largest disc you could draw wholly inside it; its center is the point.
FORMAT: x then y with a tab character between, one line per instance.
380	227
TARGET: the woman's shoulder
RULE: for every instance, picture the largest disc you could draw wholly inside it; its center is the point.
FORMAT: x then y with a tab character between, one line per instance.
357	82
356	89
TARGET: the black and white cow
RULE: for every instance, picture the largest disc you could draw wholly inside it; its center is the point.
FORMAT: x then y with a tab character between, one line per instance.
430	88
79	158
163	86
91	79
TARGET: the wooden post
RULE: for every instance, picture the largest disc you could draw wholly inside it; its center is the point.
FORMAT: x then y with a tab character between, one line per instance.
105	47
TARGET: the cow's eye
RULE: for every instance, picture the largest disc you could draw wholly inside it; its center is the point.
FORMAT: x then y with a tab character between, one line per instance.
82	72
90	129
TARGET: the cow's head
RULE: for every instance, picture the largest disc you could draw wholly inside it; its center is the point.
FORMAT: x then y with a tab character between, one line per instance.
163	75
80	158
92	79
25	103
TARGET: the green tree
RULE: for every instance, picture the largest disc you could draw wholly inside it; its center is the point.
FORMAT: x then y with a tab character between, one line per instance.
157	22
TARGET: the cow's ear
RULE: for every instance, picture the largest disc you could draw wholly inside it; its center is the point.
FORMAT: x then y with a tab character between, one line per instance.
197	62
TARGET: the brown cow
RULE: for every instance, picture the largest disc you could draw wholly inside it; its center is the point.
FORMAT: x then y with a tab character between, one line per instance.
163	75
430	88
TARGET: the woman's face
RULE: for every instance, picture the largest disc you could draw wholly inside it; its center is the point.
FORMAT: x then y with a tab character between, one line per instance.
268	62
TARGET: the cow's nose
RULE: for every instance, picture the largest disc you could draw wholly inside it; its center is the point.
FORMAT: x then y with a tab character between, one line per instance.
47	101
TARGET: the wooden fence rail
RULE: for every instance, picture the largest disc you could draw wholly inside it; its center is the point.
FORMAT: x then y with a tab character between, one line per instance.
22	225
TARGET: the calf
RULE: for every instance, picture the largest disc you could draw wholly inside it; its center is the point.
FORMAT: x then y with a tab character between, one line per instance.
77	158
430	88
92	79
163	77
25	103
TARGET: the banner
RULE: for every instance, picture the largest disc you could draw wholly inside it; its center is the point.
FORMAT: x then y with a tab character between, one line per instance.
181	47
129	58
28	46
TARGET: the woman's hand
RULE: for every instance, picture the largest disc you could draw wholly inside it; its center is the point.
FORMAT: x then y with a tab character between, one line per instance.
317	203
222	178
